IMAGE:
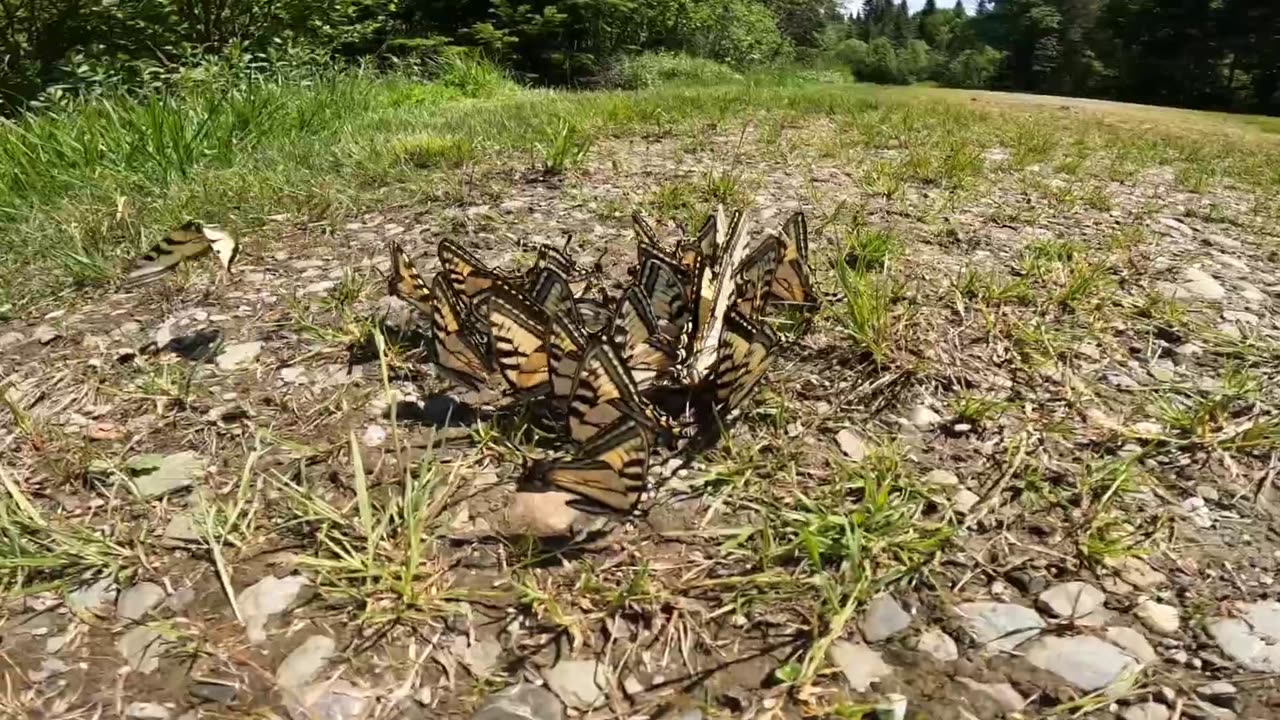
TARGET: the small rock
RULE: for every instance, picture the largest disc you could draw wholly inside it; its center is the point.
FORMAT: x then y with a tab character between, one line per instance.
924	418
293	374
1146	711
1147	428
581	684
1201	710
1223	242
10	339
50	667
851	444
1252	638
542	514
512	206
156	475
330	700
238	355
1084	661
321	286
1138	573
373	436
1222	694
1250	292
1003	694
938	645
265	598
104	430
142	648
1196	510
138	600
213	692
147	711
1198	283
1240	317
861	665
884	619
894	707
1158	617
181	599
1120	381
480	658
1000	626
45	334
1132	642
964	500
1074	600
523	701
942	478
182	529
1188	349
305	662
1177	226
91	597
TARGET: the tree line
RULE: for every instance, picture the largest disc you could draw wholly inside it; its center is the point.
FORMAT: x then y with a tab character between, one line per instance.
1200	53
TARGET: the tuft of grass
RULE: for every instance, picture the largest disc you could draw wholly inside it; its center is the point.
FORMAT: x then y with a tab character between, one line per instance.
867	314
870	249
436	151
564	147
472	76
649	70
990	288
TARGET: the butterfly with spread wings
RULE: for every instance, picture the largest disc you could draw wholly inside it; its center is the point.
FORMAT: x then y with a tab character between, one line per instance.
191	240
791	287
610	471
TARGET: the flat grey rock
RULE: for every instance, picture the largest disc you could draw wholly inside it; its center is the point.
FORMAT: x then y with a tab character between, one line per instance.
182	529
1000	626
861	665
1138	573
938	645
480	658
213	692
1146	711
331	700
1071	599
135	602
91	598
10	339
1132	642
1252	638
142	647
884	619
1158	618
523	701
147	711
965	499
1198	283
238	355
581	684
851	444
1084	661
49	667
941	478
924	418
156	475
1003	694
269	596
305	662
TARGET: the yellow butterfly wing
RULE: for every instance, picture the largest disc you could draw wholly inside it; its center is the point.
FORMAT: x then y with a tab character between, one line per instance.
470	278
791	284
645	350
458	349
742	357
191	240
519	333
611	471
566	346
753	281
406	282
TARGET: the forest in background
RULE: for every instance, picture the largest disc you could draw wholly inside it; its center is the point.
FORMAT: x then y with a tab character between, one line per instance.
1217	54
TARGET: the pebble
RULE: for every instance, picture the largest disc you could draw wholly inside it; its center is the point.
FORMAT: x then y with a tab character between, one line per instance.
938	645
10	339
45	334
147	711
1222	694
330	700
965	499
943	478
924	418
91	597
141	647
480	657
305	662
1132	642
156	475
523	701
373	436
851	444
894	707
1198	283
318	287
1004	694
1252	637
181	529
581	684
50	667
884	619
1072	600
1158	617
293	374
1138	573
542	514
1084	661
1000	626
265	598
135	602
238	355
219	693
861	665
1146	711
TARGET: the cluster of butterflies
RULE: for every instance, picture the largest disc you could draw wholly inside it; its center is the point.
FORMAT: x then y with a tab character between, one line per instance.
665	361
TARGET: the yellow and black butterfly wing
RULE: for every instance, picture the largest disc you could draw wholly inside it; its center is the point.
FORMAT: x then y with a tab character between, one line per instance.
566	346
662	285
645	350
753	280
470	278
742	357
406	282
550	291
610	472
518	329
179	244
602	392
458	348
716	295
595	316
791	284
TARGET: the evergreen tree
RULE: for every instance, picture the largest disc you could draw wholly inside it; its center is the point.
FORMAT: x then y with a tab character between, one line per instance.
959	10
982	9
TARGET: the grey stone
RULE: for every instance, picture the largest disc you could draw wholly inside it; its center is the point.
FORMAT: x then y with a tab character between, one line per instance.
1198	283
1138	573
1222	694
851	444
884	619
238	355
1201	710
480	658
1252	638
331	700
1084	661
1132	642
543	514
305	662
1003	694
147	711
50	667
522	701
182	529
156	475
894	707
581	684
965	499
46	334
1177	226
861	665
1158	617
137	601
142	647
1000	626
318	287
924	418
1146	711
267	597
1223	242
941	478
1072	599
938	645
213	692
10	339
91	597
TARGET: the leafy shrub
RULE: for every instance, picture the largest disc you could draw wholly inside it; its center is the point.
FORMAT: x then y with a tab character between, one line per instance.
660	68
881	63
471	75
914	61
973	68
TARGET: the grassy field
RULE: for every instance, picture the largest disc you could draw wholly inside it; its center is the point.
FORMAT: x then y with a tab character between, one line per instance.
1020	377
